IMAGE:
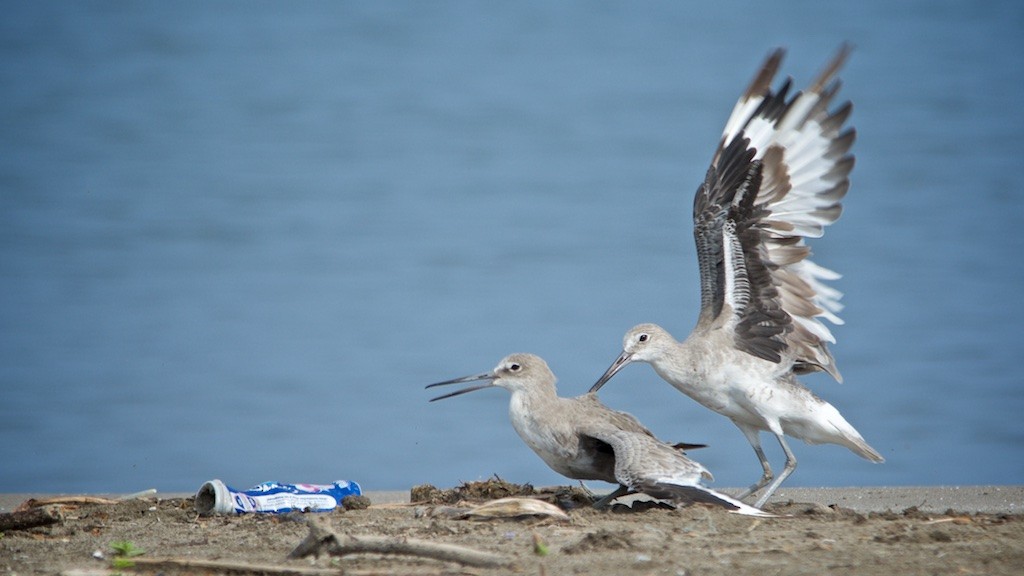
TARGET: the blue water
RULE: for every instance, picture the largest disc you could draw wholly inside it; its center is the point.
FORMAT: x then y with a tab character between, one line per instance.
237	239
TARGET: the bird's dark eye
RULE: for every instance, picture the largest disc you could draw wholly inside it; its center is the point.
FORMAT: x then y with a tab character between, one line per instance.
643	338
514	367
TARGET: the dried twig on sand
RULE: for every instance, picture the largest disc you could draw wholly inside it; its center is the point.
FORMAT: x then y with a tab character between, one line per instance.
63	500
322	539
77	499
227	567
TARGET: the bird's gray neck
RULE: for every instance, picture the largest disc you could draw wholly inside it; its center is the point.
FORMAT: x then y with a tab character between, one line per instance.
683	362
534	399
534	409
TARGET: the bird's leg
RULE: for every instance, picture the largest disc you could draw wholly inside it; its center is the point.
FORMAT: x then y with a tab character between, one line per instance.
620	491
790	466
754	437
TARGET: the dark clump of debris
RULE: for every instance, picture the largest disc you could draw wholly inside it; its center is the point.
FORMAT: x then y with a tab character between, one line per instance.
491	489
565	497
569	497
353	502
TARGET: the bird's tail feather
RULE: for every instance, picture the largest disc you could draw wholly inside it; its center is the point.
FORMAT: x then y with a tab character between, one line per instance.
693	493
859	446
845	434
853	440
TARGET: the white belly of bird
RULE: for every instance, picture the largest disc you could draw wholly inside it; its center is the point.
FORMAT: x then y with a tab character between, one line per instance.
736	385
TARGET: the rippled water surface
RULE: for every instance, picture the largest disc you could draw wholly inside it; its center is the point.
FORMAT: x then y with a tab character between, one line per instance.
237	239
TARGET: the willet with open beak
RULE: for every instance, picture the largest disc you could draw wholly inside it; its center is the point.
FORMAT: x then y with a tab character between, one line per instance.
781	169
582	439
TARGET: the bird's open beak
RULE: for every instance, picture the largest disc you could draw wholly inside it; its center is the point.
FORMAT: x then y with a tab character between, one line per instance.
619	364
490	377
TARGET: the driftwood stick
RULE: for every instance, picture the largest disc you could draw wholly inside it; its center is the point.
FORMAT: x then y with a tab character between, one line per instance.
29	518
322	539
229	567
37	502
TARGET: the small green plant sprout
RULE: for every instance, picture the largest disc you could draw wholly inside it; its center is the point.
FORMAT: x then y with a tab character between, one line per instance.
540	547
124	550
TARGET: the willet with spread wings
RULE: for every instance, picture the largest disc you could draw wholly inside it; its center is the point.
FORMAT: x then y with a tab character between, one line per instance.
582	439
777	178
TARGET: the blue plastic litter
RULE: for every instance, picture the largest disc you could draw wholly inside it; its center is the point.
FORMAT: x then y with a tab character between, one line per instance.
215	497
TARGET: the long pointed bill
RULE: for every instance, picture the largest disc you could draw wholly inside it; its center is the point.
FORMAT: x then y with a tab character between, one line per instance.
474	378
619	364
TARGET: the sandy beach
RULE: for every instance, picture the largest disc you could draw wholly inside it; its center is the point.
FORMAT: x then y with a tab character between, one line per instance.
904	530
